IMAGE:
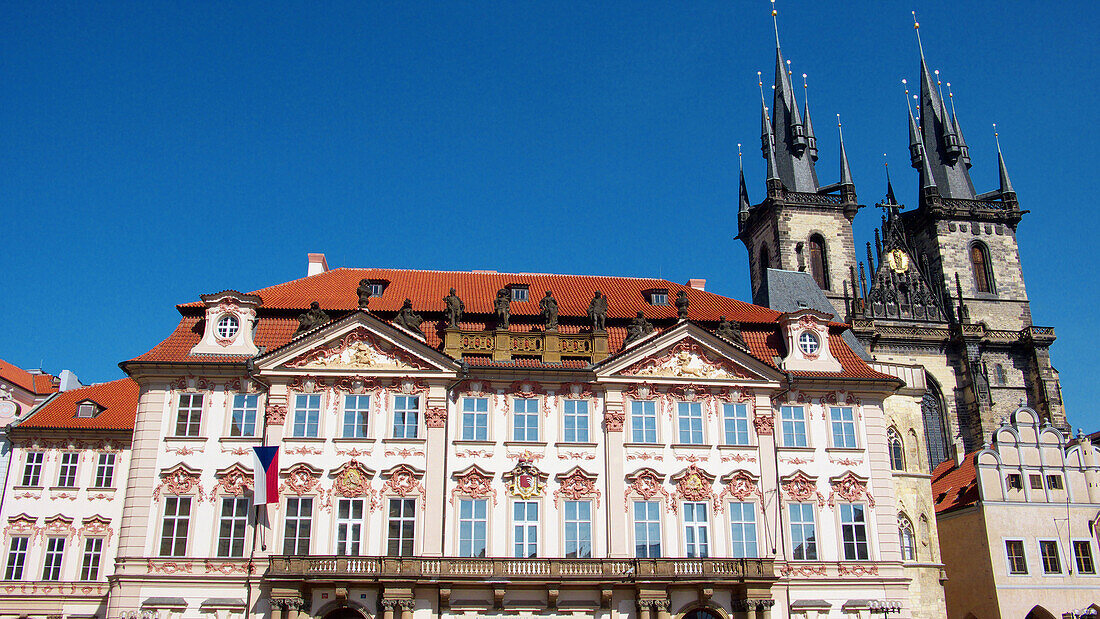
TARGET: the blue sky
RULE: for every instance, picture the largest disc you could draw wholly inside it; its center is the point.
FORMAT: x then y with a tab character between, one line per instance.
152	152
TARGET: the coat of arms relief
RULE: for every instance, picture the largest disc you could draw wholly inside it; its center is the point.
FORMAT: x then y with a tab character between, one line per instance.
686	360
357	350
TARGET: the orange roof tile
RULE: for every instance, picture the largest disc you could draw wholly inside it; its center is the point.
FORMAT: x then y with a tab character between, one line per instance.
118	398
38	384
955	487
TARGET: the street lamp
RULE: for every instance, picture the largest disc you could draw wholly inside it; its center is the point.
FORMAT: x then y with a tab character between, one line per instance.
885	607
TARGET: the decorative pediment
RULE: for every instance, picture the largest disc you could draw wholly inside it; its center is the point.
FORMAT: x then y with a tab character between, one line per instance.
96	525
686	352
524	480
740	485
59	525
645	483
179	480
575	485
694	484
358	350
352	479
403	481
686	359
23	524
300	479
233	480
474	482
850	488
800	488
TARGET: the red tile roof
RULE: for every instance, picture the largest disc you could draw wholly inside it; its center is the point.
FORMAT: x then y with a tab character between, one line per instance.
955	487
118	398
38	384
335	291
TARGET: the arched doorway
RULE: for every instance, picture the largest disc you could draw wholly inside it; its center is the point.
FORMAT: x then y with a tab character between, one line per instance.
700	613
1039	613
344	613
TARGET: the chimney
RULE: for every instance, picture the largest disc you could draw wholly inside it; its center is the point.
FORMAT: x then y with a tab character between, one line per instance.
698	284
317	264
68	381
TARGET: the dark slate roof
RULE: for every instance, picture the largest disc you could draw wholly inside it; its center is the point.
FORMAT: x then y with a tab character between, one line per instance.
790	291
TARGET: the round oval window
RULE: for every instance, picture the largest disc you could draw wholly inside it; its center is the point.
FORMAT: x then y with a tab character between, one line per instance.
808	343
227	327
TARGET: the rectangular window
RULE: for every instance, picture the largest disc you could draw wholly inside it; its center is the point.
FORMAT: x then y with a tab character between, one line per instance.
234	521
17	556
690	416
743	530
55	554
1036	482
1048	549
578	529
472	524
803	535
356	414
406	410
93	555
475	419
1015	482
1017	561
643	422
297	526
519	294
735	417
189	414
349	526
177	517
245	408
525	528
1082	554
525	419
66	475
576	421
843	426
1054	482
793	420
105	471
647	529
695	530
402	527
853	530
307	416
32	470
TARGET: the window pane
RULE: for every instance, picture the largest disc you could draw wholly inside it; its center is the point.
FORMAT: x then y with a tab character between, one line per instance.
475	419
803	534
244	415
406	410
578	529
297	525
576	421
307	415
472	528
647	529
793	419
643	422
525	419
690	416
1082	552
231	527
189	414
843	427
402	526
356	416
1052	564
743	529
736	421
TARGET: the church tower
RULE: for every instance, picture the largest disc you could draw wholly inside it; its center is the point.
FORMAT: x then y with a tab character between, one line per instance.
800	225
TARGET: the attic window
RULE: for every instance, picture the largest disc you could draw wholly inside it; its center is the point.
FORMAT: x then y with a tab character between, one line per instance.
519	292
377	286
87	409
657	296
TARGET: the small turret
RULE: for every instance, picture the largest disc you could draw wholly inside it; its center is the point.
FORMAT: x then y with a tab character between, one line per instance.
1007	192
914	131
767	143
847	186
964	155
742	191
811	139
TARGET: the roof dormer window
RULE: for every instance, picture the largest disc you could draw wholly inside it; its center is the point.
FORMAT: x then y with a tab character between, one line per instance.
87	409
519	292
657	296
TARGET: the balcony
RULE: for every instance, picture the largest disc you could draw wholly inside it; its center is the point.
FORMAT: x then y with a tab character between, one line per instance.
453	569
548	346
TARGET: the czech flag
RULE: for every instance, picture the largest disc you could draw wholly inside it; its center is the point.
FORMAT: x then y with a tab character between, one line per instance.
265	481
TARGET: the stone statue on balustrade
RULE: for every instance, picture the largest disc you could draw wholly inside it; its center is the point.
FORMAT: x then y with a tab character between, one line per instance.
453	307
597	312
549	307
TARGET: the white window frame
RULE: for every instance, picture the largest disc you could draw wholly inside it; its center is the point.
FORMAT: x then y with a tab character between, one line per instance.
573	414
907	539
68	470
1057	548
32	469
238	526
177	522
17	557
1008	558
53	558
401	412
803	525
227	327
696	522
246	406
523	432
692	413
190	417
519	294
350	528
360	416
738	521
848	437
306	415
296	519
809	343
795	424
475	418
651	519
575	525
468	521
640	420
105	471
735	422
855	526
1089	543
406	527
92	560
525	530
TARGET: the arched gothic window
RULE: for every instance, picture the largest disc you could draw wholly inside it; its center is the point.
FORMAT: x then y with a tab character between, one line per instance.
764	263
819	262
907	539
999	374
935	424
982	267
897	450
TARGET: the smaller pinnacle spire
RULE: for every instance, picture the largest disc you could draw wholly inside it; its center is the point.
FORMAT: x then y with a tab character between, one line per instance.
811	139
916	27
742	190
890	199
1006	184
767	140
845	171
775	23
963	148
914	131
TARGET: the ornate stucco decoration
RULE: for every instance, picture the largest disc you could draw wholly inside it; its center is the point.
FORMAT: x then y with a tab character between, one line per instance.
474	482
435	417
355	384
23	524
694	484
275	414
686	359
359	349
58	525
180	480
577	391
193	383
403	481
575	485
614	420
645	483
741	486
850	488
352	480
525	481
234	480
801	488
763	422
96	526
301	479
643	391
307	384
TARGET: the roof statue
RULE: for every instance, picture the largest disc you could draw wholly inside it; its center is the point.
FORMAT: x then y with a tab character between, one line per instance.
407	318
315	317
597	312
502	306
364	293
549	310
639	328
453	308
682	305
729	331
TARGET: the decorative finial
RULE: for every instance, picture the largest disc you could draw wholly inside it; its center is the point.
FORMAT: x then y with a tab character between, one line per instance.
916	26
775	24
789	72
951	98
997	138
908	104
740	165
